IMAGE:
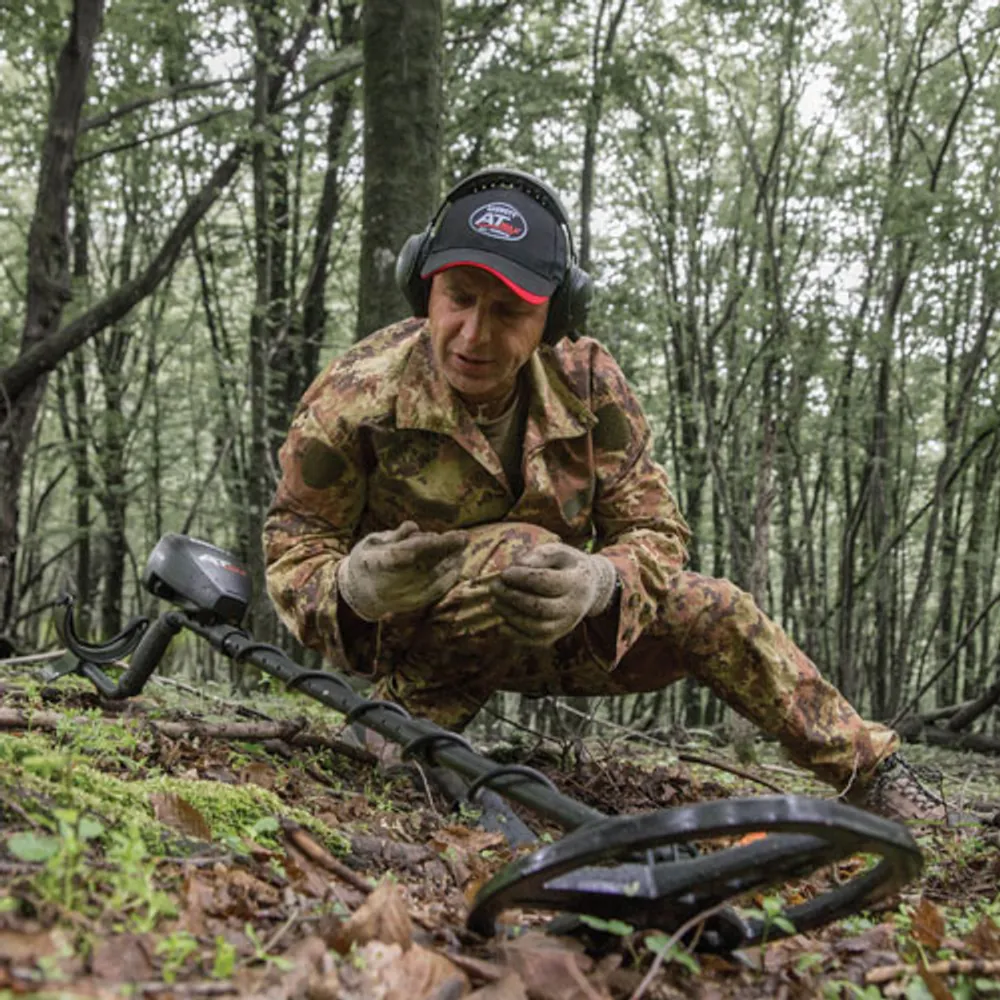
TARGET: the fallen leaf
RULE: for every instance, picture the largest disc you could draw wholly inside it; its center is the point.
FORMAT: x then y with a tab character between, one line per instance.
984	940
928	924
508	988
24	948
420	973
198	896
935	984
258	773
363	978
550	970
123	958
467	838
177	813
382	917
877	938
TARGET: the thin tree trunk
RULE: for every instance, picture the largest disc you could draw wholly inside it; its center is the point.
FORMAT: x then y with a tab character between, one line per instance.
402	97
48	274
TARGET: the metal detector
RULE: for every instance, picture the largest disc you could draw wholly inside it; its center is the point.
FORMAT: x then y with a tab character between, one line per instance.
643	870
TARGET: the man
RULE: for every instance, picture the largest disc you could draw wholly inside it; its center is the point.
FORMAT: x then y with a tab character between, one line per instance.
469	503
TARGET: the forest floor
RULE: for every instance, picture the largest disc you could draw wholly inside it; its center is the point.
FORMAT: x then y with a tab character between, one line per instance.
142	856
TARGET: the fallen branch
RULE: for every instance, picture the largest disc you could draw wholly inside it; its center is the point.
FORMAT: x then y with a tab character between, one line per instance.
290	731
949	967
944	712
969	713
914	732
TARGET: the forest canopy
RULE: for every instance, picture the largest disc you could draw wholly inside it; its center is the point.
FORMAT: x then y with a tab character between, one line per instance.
790	211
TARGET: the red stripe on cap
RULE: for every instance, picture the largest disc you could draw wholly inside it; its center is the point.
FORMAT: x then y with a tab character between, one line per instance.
535	300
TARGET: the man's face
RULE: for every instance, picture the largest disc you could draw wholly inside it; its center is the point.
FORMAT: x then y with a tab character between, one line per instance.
482	332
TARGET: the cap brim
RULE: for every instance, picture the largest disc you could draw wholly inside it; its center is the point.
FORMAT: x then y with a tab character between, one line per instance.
522	282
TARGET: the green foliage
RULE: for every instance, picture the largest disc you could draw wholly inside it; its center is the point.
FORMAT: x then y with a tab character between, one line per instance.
175	949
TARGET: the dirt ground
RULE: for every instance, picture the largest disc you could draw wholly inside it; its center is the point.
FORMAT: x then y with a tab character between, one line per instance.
152	849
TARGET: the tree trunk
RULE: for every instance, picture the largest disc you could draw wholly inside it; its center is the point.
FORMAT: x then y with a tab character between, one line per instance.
48	272
402	91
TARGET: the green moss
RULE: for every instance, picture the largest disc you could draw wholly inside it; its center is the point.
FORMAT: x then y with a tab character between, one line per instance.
45	777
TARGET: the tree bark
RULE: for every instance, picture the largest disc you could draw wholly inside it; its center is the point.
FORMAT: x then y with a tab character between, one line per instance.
402	97
48	274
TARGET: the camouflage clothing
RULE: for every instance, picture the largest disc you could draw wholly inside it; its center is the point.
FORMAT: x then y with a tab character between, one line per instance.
380	437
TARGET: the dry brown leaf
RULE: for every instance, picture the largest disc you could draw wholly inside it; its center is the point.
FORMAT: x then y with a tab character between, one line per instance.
25	948
420	974
508	988
936	986
878	938
550	970
382	917
173	811
928	924
123	958
467	839
984	940
197	895
363	978
258	773
306	963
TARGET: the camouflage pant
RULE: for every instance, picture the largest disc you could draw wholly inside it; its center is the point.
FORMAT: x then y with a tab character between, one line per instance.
445	662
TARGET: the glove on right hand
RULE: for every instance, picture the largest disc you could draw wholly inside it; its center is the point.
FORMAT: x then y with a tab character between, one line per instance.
394	572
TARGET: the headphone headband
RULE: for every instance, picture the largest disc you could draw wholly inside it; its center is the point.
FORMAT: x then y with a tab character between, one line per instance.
570	301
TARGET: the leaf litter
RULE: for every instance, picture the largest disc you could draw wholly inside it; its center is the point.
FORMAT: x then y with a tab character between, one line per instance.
337	882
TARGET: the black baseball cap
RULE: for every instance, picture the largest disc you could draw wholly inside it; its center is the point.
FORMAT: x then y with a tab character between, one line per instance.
506	232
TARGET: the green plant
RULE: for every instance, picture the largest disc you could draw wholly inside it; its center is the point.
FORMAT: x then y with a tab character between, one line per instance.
672	951
770	911
260	953
134	894
225	959
834	989
176	949
64	880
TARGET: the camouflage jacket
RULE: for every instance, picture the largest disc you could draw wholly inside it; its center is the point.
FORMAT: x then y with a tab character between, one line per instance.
380	437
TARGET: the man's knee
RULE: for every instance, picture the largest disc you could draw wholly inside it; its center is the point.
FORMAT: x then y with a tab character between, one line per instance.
700	612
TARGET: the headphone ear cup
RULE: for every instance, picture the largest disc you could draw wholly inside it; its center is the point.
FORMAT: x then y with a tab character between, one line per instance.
409	263
569	305
580	290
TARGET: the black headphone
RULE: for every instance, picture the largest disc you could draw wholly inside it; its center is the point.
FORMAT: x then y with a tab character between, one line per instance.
569	302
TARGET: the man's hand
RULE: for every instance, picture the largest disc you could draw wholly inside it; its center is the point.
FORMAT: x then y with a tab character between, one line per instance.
548	592
394	572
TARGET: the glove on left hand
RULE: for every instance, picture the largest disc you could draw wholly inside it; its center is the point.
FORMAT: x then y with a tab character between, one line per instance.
548	592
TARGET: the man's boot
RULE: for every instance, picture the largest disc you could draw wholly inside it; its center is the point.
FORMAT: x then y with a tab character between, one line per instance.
896	792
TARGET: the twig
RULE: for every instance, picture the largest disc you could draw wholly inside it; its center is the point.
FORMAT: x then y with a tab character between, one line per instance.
228	702
15	808
33	658
694	758
282	930
318	854
949	967
698	918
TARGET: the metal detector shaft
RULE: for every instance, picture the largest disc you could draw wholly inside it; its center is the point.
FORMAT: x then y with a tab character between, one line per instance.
417	736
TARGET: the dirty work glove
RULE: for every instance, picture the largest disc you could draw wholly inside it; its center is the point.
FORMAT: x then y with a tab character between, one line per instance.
393	572
549	591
